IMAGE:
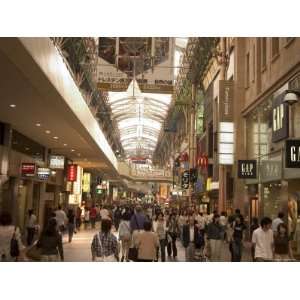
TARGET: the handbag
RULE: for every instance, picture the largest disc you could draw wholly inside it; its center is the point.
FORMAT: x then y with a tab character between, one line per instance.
34	253
14	246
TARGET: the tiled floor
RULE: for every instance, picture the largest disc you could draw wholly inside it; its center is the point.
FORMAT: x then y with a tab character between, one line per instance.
79	249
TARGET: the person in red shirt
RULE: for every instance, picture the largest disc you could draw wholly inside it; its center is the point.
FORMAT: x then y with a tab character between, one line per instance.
93	215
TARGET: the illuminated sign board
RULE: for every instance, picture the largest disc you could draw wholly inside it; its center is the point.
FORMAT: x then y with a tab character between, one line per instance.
247	169
86	182
28	169
43	173
292	154
56	162
280	119
72	173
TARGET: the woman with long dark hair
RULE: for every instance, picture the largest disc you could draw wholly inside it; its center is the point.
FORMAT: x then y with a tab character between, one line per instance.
50	243
282	244
8	232
71	224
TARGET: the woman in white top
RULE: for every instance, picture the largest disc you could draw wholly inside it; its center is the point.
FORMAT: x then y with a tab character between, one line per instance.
160	227
125	235
31	227
7	232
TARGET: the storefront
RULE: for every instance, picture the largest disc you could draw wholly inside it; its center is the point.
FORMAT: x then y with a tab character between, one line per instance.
268	128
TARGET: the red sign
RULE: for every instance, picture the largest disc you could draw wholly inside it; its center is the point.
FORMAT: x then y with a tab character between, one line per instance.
72	173
202	161
28	169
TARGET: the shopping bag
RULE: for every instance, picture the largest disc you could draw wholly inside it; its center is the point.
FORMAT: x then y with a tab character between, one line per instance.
34	253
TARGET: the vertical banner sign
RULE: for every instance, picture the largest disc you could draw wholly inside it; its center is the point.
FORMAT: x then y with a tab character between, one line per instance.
280	119
185	180
226	100
86	185
247	169
226	126
72	173
292	154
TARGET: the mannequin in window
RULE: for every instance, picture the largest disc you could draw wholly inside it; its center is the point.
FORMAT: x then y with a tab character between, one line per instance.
292	214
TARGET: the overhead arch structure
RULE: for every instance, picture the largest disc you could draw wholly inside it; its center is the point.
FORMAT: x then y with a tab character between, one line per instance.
139	117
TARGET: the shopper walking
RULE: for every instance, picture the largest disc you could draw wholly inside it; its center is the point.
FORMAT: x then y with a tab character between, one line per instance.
78	218
282	244
61	219
50	243
9	233
147	243
193	239
125	235
93	216
104	244
117	217
160	228
277	221
86	218
253	227
137	220
214	237
31	226
172	234
71	224
224	223
263	241
236	243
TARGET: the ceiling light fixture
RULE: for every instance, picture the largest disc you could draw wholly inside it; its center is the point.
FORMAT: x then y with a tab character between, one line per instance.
72	150
65	145
12	105
38	124
48	131
55	137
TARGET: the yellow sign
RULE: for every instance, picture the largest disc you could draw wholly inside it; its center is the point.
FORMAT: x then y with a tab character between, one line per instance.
208	184
86	183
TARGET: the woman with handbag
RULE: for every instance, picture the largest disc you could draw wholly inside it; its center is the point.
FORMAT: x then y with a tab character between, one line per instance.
50	243
147	242
125	235
160	227
105	246
11	246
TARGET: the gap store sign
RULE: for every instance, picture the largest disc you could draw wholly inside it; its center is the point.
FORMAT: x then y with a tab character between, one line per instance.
292	153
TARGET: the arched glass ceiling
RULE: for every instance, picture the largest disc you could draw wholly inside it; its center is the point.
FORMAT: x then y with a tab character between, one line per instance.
139	117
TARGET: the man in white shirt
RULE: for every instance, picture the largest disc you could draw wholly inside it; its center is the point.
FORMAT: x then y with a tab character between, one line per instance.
277	221
61	219
263	241
201	220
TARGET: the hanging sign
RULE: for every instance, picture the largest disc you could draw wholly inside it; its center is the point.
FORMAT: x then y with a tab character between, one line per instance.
72	173
185	179
292	154
43	173
226	95
56	162
247	169
86	184
28	169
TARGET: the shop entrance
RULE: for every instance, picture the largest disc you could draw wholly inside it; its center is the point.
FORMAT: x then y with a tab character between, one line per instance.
254	205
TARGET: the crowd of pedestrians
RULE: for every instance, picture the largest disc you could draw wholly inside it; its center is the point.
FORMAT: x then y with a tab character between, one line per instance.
148	233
